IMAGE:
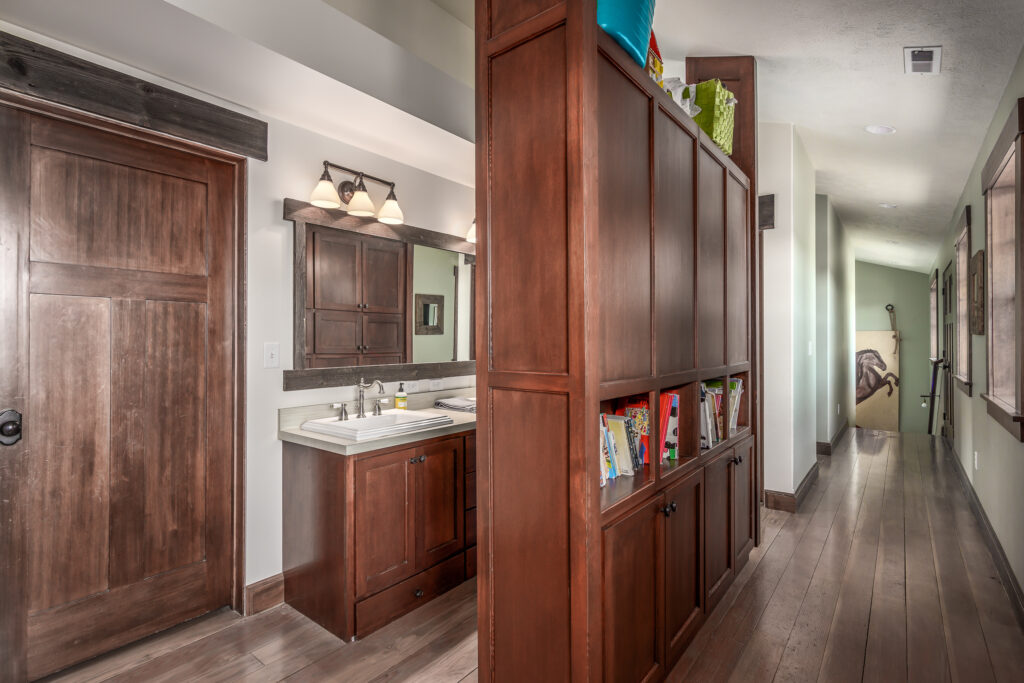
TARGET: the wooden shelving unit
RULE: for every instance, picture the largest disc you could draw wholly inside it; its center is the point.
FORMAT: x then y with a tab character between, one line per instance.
626	268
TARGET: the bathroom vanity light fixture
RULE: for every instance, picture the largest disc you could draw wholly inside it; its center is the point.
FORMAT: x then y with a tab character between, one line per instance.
353	194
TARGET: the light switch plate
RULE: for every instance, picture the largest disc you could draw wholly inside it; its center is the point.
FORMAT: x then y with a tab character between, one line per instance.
436	385
271	355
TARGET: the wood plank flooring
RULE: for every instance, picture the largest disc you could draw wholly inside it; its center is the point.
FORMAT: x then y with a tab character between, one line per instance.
882	575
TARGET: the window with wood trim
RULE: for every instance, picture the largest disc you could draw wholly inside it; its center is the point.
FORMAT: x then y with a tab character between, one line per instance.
962	258
1001	178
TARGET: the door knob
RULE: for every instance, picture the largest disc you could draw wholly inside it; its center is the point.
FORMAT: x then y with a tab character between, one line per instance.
10	427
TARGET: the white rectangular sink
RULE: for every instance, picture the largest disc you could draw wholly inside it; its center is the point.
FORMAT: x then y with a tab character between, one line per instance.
388	423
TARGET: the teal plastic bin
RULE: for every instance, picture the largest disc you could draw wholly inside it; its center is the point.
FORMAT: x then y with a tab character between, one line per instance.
629	23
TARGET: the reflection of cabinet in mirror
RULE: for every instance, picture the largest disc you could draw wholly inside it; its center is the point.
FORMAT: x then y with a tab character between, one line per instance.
356	314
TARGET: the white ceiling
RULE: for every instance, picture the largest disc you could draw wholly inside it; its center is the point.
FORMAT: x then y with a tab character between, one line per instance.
833	66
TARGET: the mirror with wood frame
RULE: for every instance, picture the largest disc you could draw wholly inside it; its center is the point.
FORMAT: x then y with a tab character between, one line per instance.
381	301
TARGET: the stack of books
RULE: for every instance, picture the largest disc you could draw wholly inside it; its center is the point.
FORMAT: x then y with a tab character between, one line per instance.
625	441
715	405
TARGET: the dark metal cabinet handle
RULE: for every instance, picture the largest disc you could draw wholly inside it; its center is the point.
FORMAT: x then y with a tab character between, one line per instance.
10	427
423	458
667	510
418	593
412	460
673	506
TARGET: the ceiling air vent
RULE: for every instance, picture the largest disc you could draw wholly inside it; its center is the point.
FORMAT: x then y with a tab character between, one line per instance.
922	60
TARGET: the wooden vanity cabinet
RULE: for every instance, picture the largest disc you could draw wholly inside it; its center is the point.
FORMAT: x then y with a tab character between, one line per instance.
719	511
370	537
744	500
684	563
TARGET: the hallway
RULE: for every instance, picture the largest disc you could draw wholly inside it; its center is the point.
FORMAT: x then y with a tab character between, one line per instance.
883	575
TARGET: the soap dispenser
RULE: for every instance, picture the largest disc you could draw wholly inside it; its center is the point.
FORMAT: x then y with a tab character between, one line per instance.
401	398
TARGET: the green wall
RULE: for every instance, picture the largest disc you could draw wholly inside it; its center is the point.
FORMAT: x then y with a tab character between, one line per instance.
433	273
908	292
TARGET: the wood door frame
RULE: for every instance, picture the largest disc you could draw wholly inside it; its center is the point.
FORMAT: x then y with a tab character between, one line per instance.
13	596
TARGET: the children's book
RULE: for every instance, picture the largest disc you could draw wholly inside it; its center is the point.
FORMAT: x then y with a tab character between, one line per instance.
623	459
671	439
640	412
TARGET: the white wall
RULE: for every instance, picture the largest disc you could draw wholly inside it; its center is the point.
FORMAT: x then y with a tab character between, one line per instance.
784	170
294	165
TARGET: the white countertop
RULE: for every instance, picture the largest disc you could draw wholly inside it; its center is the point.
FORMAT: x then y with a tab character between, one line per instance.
290	426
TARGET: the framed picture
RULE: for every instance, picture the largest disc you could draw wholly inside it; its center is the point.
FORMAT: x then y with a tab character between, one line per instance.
977	285
429	313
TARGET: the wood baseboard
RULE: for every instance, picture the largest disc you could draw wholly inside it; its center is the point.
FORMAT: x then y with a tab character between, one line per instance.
264	594
827	448
790	502
1006	575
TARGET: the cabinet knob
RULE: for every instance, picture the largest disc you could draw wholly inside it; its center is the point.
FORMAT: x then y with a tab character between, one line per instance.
412	460
667	510
423	458
418	593
673	506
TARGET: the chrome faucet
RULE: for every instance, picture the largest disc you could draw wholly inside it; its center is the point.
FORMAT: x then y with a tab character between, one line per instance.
363	386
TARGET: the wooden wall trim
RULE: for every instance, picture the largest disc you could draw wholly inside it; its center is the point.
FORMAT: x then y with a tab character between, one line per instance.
1006	575
320	378
264	594
790	502
829	447
32	69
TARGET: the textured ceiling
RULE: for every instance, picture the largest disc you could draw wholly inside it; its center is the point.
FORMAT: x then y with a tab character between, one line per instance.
832	67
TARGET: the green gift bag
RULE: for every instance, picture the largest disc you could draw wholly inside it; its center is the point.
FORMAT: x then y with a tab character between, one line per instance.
717	112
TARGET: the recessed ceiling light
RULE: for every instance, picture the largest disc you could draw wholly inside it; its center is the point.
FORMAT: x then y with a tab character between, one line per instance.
879	129
887	205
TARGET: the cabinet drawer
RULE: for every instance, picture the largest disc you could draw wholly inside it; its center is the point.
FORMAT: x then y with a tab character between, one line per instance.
471	453
470	562
471	527
470	490
378	610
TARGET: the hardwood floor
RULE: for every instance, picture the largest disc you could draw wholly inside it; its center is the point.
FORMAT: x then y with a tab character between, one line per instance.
882	575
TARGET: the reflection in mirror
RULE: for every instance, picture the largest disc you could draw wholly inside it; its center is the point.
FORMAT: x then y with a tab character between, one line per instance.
442	303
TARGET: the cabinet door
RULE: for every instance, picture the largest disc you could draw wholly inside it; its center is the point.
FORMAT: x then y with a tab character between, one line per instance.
383	276
337	270
441	518
737	285
385	533
684	562
337	332
743	503
718	512
383	333
632	580
710	262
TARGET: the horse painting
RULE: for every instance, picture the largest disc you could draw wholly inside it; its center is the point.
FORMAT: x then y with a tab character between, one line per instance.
870	379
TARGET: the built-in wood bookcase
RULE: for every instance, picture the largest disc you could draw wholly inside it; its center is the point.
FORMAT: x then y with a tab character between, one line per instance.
625	272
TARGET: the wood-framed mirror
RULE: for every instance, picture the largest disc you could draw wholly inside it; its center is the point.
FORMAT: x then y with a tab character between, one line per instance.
389	302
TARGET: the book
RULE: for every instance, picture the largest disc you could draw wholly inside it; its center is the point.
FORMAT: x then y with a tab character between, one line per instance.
664	411
670	440
705	434
640	413
735	394
608	450
616	425
634	443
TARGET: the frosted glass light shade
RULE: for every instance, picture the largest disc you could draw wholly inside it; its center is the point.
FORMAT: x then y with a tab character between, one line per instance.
391	212
361	204
471	233
325	195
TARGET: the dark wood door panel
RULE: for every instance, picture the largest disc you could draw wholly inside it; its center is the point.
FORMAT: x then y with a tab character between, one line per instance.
332	361
383	333
440	497
68	432
737	285
632	596
624	264
337	332
383	359
673	244
743	503
385	519
684	563
337	270
95	213
383	275
710	261
718	522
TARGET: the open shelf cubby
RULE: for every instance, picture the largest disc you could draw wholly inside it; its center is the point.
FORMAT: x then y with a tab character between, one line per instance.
623	486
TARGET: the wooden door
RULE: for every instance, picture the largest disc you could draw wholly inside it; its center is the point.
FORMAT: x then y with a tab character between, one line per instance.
633	597
441	517
383	333
710	261
718	522
684	562
337	270
337	332
948	348
743	503
385	527
126	318
383	275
